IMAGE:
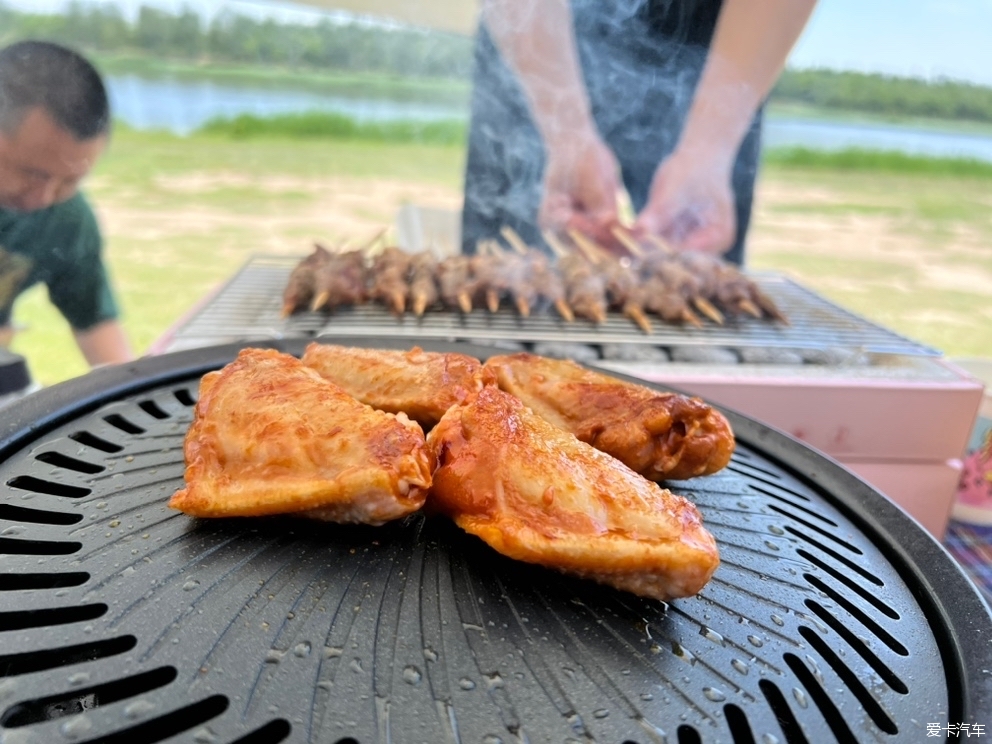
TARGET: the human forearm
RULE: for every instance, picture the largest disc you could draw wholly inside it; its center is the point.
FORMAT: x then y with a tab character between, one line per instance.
104	343
536	39
751	42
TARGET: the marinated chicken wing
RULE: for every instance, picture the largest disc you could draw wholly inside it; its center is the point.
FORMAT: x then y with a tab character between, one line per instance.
421	384
659	435
537	494
270	436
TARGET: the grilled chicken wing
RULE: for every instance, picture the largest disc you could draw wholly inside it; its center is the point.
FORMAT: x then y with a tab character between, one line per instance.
270	436
537	494
659	435
421	384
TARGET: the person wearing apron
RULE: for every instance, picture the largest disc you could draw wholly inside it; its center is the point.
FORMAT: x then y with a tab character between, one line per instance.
573	101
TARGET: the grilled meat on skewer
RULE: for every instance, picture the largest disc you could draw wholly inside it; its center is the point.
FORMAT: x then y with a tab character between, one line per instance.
390	270
626	292
585	287
340	280
548	282
300	287
454	282
423	281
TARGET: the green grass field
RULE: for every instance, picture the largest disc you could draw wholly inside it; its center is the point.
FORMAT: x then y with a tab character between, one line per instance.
902	242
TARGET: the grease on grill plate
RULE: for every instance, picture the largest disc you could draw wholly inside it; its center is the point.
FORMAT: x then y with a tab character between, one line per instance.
125	621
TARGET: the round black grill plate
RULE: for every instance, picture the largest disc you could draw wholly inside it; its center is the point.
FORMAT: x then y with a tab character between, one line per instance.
833	617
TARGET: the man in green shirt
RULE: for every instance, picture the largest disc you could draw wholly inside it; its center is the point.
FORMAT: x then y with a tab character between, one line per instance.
54	125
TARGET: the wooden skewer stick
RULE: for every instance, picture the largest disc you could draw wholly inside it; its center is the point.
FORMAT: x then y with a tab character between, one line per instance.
750	308
564	310
623	235
706	308
637	315
319	301
419	304
492	300
660	243
287	310
554	242
588	248
464	301
513	238
691	318
379	234
523	307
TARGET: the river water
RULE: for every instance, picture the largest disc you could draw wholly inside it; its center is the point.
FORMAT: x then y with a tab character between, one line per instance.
181	106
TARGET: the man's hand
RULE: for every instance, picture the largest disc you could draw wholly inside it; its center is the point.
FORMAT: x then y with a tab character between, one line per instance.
691	205
581	183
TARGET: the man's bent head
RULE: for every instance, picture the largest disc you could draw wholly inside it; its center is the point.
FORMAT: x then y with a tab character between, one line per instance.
54	123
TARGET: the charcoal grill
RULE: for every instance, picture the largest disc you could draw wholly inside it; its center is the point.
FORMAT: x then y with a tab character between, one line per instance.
832	618
249	306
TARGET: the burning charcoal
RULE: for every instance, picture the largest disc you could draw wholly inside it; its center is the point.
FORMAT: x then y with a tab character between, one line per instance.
758	355
564	350
634	353
703	355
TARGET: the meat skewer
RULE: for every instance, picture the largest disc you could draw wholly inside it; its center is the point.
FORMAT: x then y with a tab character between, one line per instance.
300	286
340	280
453	280
423	282
389	279
585	288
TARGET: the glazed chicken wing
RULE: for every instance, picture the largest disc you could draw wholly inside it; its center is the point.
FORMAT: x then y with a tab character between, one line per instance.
421	384
659	435
270	436
537	494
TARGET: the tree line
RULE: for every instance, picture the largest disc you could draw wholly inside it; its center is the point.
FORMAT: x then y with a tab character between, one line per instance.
354	47
402	51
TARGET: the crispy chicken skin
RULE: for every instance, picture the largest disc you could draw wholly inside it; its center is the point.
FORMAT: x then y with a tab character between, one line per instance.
421	384
270	436
659	435
537	494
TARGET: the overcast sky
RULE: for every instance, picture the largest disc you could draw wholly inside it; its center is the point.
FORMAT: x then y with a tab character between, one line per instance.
918	38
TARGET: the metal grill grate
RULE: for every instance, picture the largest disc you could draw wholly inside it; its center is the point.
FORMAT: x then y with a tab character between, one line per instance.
248	307
123	621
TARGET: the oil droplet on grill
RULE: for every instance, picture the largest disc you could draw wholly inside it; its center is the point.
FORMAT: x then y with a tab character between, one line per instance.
274	656
411	675
491	739
714	694
430	654
655	648
331	652
776	530
75	727
190	585
769	739
778	620
79	678
755	641
647	696
138	708
494	681
466	684
302	649
711	635
740	666
356	665
770	545
800	697
600	713
817	674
